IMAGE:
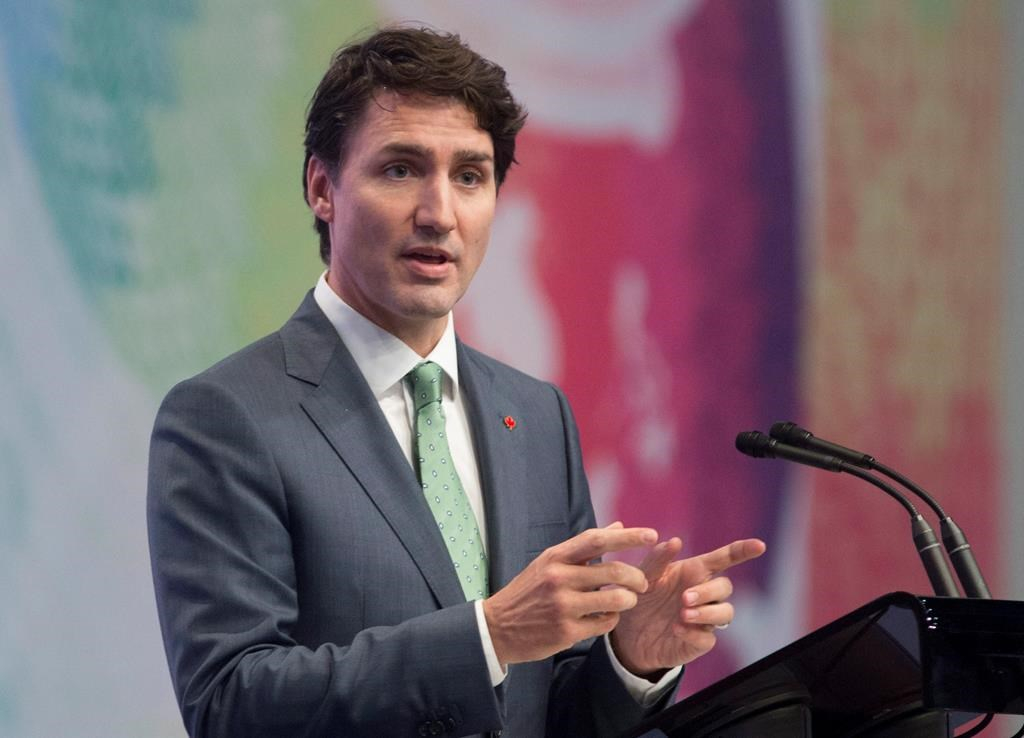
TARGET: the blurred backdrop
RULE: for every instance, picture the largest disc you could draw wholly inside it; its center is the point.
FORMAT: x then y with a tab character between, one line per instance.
742	211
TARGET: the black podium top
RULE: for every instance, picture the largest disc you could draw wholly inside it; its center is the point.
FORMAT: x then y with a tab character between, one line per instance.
899	658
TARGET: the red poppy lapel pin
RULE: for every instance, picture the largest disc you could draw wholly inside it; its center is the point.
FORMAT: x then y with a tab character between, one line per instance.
509	422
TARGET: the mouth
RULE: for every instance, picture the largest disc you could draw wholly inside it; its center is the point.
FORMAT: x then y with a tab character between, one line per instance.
427	256
429	263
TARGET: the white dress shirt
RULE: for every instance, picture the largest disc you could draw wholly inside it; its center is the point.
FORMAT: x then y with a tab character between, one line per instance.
384	360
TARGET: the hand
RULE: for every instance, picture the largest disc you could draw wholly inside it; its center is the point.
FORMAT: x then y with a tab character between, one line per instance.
674	621
559	600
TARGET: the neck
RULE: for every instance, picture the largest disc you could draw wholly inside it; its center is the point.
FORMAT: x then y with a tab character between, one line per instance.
419	335
422	342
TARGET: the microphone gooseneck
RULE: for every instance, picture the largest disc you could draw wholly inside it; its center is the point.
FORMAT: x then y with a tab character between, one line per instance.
759	445
953	538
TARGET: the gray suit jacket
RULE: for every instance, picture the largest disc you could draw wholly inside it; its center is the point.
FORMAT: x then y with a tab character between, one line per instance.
302	585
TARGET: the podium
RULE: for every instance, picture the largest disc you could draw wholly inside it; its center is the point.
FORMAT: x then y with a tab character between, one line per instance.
901	666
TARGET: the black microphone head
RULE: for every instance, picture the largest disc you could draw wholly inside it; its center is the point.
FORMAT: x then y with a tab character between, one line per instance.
790	433
753	443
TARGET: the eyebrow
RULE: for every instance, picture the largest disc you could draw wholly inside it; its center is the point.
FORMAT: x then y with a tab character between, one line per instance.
416	150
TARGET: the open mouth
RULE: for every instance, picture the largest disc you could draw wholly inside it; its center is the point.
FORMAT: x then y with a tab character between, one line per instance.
428	257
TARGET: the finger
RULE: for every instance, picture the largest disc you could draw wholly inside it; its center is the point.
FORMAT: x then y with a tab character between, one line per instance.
595	624
732	554
610	573
616	599
718	613
593	543
571	606
659	557
700	638
717	589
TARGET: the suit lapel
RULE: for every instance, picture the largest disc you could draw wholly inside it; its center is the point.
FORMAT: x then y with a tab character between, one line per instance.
502	462
343	408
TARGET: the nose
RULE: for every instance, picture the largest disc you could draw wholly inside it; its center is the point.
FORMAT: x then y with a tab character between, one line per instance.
435	210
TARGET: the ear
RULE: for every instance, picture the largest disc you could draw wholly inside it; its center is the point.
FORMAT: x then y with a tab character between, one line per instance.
319	188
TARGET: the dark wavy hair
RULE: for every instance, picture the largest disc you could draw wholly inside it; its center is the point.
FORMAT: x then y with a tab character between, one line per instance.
410	61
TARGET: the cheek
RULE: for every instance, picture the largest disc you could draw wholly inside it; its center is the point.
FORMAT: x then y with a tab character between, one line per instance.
365	232
478	235
476	252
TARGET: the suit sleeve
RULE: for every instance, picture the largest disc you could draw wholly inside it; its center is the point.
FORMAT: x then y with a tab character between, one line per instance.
226	591
587	697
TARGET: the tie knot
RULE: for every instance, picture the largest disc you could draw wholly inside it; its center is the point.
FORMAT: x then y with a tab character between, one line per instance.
425	384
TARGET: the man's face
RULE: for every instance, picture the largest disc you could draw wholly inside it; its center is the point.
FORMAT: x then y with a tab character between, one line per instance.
409	213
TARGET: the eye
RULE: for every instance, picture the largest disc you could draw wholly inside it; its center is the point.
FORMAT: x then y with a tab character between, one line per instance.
398	171
469	178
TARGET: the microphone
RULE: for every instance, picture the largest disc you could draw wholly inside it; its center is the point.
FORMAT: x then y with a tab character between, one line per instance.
759	445
953	538
794	435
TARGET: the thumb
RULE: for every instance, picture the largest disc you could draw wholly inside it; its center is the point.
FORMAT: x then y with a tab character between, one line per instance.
659	557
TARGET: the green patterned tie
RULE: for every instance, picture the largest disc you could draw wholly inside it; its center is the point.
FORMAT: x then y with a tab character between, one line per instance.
441	485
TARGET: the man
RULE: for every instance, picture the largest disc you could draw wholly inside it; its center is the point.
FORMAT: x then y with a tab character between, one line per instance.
320	568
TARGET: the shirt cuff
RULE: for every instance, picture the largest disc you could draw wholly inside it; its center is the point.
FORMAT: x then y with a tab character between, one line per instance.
643	691
495	669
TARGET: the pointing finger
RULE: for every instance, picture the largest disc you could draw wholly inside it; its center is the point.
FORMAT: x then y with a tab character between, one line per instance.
732	554
590	544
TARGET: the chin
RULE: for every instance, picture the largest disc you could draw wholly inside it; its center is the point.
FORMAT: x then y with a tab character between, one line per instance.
430	307
427	314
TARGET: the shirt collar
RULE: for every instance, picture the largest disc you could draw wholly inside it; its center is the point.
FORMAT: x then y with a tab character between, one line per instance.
382	358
